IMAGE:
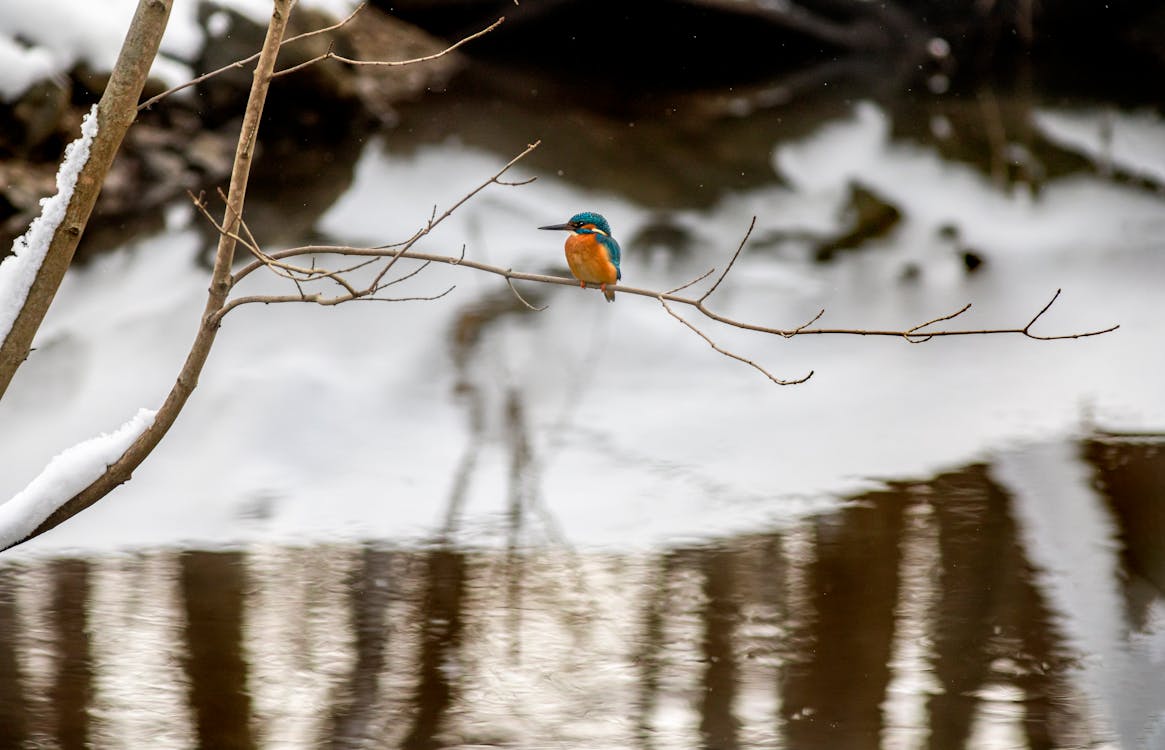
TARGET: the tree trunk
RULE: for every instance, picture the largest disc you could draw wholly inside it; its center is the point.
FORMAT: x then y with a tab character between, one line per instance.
115	113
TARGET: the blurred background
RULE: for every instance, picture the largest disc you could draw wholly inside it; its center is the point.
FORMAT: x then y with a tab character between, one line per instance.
463	523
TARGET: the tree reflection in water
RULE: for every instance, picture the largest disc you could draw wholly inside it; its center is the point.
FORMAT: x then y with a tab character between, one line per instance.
914	617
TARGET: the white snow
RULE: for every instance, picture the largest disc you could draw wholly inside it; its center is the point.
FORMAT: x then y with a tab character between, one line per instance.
21	67
1132	141
50	37
19	270
68	473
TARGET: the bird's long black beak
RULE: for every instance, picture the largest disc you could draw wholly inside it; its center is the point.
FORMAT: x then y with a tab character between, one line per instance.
558	226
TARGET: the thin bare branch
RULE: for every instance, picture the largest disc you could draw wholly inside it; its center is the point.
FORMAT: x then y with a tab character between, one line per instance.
922	338
391	253
297	275
331	55
322	300
739	249
416	235
726	353
240	63
269	299
494	179
801	330
1027	329
338	271
522	299
696	280
435	220
200	204
406	277
806	324
428	298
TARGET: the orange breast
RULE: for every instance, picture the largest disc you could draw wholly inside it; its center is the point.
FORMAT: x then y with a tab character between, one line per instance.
588	260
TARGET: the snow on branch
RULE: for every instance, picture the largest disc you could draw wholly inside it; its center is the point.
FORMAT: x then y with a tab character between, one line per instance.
19	270
67	473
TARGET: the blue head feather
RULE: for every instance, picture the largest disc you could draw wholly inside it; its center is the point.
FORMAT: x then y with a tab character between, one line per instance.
590	217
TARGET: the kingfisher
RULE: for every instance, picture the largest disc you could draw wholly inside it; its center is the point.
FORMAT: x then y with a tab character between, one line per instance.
591	252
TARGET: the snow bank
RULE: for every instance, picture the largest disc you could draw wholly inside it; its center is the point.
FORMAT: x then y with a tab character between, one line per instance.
67	474
1132	141
21	67
50	37
19	270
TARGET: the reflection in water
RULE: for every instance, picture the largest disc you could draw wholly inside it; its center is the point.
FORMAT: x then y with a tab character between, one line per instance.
13	705
912	618
985	645
1125	469
72	689
440	646
355	717
213	589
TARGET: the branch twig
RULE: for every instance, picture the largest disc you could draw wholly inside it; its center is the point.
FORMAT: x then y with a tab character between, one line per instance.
391	253
331	55
240	63
510	275
522	299
727	353
696	280
801	330
727	268
909	335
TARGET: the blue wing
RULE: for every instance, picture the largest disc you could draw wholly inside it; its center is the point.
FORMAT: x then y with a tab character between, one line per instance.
612	252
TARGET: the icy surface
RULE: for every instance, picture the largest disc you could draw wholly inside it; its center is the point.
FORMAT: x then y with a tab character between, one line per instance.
19	270
67	473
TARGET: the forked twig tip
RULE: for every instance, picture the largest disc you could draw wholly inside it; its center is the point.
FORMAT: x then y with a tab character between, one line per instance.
514	289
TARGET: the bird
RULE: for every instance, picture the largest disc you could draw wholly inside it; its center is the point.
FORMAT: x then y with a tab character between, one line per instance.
591	252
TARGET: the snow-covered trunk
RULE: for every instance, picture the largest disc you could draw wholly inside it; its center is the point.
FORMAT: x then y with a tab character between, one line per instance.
31	279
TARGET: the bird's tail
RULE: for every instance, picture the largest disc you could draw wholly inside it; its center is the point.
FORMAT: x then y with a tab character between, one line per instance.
609	294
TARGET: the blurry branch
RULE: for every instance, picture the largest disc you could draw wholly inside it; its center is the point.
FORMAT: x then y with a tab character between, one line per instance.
730	354
864	26
331	55
115	113
247	60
